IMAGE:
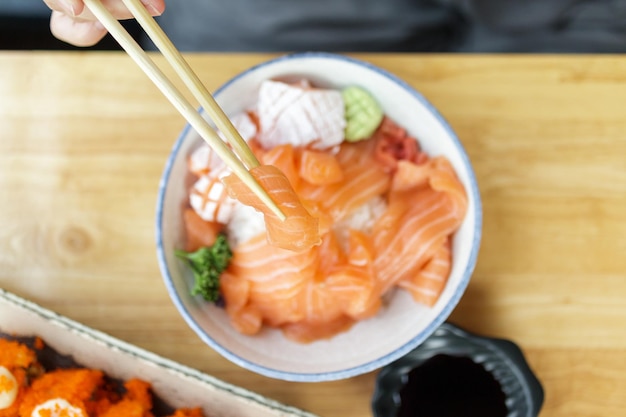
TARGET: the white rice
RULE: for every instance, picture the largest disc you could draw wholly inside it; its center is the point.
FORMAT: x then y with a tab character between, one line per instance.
362	219
245	223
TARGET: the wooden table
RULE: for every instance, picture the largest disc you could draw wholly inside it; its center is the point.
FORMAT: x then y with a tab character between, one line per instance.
84	137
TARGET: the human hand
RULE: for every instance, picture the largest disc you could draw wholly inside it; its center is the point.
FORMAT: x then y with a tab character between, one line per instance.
74	23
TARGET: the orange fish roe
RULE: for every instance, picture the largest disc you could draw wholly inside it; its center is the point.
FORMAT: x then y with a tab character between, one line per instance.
6	384
17	359
72	392
76	386
16	355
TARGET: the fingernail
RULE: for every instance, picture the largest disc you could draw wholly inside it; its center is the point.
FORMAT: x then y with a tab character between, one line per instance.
151	8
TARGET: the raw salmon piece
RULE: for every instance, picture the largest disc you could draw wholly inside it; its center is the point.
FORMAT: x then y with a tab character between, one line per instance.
418	221
299	231
306	332
235	290
414	245
320	305
247	320
300	116
276	277
327	296
353	285
319	168
318	300
284	158
209	198
361	183
330	254
427	285
244	317
198	232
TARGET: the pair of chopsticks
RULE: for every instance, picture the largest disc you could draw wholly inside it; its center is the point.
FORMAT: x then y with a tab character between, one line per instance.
240	167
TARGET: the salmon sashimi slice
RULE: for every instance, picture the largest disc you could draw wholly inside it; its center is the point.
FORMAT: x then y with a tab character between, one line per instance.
336	301
276	277
363	180
306	332
354	285
427	285
284	158
300	115
299	231
319	168
244	317
340	285
247	320
304	292
199	233
418	220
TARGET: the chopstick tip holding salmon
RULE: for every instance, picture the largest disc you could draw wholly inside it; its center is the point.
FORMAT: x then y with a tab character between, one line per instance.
299	230
364	214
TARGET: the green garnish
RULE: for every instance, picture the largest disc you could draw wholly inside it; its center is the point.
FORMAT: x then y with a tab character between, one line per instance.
363	113
207	264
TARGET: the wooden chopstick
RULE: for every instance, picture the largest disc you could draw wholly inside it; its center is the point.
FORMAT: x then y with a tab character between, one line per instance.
189	77
141	58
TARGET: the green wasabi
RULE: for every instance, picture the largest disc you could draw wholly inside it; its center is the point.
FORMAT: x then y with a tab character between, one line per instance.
363	113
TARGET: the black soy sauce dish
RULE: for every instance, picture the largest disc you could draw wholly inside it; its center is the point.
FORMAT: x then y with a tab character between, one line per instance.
455	373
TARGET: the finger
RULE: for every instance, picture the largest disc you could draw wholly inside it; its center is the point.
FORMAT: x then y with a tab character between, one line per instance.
76	32
69	7
120	12
115	7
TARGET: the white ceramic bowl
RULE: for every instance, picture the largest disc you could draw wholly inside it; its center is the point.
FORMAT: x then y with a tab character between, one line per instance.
370	344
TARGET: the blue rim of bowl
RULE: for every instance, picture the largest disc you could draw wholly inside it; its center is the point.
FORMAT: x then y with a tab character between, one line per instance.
365	367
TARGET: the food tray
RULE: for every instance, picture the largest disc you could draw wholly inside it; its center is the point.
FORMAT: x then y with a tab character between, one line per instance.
177	385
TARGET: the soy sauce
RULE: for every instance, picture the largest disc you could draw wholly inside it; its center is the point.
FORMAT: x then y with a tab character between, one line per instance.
450	386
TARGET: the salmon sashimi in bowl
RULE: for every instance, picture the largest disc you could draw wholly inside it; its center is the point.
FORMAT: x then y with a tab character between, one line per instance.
367	211
381	232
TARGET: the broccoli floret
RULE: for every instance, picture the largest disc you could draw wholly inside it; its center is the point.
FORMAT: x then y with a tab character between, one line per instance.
207	264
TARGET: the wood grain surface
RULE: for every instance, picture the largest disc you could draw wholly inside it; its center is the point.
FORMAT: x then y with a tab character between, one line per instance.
84	137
